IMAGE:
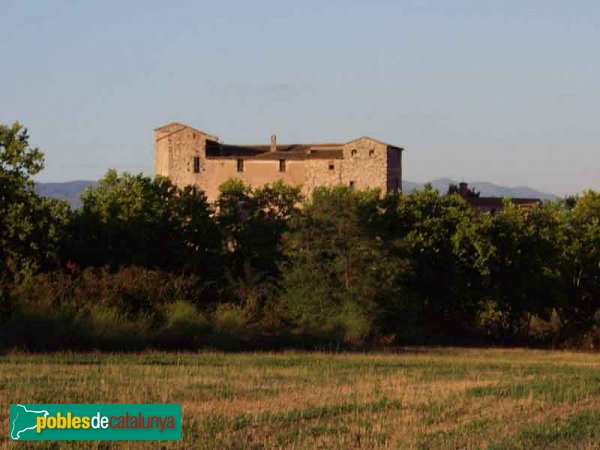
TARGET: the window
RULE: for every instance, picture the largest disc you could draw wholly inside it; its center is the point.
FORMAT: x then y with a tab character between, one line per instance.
371	152
282	165
196	164
331	165
352	185
353	152
240	165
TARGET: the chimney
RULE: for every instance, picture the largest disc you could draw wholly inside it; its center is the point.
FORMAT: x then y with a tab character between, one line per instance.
463	189
273	143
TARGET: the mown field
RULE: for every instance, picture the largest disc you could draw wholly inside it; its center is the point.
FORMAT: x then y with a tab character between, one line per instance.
427	399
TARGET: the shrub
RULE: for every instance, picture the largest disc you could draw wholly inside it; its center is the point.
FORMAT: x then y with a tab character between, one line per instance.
131	290
354	325
183	327
41	328
230	318
107	328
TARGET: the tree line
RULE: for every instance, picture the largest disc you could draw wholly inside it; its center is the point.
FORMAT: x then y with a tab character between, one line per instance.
145	264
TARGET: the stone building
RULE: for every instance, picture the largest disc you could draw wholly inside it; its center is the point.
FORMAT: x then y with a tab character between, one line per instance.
192	157
494	204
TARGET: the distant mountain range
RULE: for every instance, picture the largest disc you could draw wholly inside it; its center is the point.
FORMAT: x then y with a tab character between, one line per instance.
71	190
68	190
485	188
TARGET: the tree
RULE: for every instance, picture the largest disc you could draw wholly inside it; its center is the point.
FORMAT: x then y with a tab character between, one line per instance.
253	222
339	272
580	274
524	265
135	220
443	240
31	228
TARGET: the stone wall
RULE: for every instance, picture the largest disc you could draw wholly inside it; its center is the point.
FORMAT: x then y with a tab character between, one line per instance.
365	164
175	147
256	173
321	172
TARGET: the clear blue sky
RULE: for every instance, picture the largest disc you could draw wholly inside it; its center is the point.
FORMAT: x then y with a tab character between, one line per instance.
502	91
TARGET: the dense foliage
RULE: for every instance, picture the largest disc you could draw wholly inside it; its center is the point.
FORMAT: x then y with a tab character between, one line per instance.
145	264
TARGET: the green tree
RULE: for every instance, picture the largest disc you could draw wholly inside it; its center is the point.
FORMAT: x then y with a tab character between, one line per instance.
135	220
524	265
31	228
253	222
339	271
442	235
580	299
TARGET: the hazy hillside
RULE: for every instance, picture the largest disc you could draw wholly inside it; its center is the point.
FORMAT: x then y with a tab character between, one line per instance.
485	188
70	190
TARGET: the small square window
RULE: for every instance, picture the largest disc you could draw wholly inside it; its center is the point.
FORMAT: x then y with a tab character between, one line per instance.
352	185
282	165
196	164
353	152
331	165
240	165
371	152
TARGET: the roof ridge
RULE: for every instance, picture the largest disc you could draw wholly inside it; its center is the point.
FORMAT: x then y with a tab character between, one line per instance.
184	126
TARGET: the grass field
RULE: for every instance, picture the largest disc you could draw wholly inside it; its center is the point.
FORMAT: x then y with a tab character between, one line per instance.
428	399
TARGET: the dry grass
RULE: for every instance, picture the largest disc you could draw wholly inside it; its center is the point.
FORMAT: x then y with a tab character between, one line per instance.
433	398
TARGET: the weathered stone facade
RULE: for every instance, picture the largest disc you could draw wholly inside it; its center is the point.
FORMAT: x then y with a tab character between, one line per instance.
191	157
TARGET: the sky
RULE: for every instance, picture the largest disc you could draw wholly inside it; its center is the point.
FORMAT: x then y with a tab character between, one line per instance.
482	90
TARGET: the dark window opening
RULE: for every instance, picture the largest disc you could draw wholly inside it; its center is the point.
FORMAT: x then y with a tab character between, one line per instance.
282	165
331	166
352	185
371	152
240	165
196	164
353	152
212	148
